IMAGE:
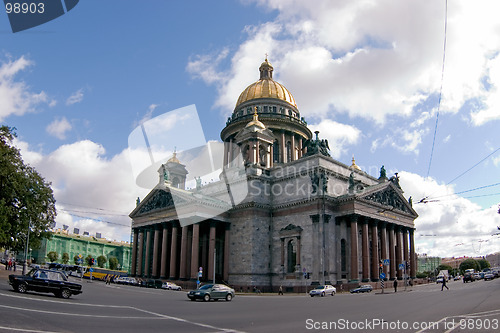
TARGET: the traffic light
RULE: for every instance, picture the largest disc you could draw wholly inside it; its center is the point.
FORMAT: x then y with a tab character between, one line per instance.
380	263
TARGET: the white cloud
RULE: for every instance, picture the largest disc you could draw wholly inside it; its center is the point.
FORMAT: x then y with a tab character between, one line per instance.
339	136
15	96
371	59
59	127
89	186
449	225
76	97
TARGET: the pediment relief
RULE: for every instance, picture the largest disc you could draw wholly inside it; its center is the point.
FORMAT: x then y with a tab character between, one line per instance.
291	230
161	199
389	197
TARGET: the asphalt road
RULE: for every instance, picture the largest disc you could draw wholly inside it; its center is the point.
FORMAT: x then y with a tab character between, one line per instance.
471	307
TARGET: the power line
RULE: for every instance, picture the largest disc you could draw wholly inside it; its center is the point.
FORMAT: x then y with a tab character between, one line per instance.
98	220
433	199
441	87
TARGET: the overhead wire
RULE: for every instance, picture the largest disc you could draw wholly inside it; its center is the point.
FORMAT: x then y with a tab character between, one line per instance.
441	87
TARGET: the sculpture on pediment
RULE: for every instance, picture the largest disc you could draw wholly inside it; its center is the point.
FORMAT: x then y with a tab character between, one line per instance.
351	182
395	180
161	199
319	181
383	173
317	146
388	197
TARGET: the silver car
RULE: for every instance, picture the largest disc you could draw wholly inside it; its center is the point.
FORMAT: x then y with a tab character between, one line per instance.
323	290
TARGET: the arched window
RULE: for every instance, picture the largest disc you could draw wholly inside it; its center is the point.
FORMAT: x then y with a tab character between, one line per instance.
291	256
288	151
276	151
343	256
175	182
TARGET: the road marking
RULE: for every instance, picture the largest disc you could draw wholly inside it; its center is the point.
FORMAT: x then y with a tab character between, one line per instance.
468	315
10	329
156	315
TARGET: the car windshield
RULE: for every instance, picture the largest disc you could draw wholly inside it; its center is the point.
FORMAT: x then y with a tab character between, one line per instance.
320	287
207	286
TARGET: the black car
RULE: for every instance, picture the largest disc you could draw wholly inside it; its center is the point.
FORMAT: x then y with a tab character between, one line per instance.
46	281
151	283
212	291
362	289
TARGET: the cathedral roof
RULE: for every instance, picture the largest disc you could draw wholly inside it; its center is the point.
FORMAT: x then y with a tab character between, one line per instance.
256	122
266	87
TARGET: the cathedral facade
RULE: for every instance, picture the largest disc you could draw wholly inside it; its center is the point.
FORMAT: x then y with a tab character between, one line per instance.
283	212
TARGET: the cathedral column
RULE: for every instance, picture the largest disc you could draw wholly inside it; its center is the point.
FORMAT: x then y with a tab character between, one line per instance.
195	250
297	253
399	250
293	147
156	244
316	244
134	253
140	254
226	154
406	250
283	147
226	254
354	249
383	245
184	244
271	158
326	247
230	155
375	258
282	254
392	252
300	147
147	270
211	251
173	253
164	249
413	259
257	155
364	249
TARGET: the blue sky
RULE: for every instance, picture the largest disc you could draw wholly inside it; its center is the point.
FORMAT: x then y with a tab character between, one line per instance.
366	74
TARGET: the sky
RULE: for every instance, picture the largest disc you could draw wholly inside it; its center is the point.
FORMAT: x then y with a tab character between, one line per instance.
411	85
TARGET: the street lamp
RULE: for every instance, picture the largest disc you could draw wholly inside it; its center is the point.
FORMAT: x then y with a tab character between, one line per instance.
26	248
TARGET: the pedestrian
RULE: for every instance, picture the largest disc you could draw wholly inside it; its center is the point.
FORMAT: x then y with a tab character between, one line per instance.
14	264
280	291
395	285
108	279
444	284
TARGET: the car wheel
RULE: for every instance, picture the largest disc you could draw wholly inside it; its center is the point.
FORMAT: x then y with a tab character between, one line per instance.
333	293
206	298
229	297
65	293
22	288
323	294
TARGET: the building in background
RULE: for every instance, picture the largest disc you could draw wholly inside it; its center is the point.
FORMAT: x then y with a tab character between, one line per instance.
427	263
63	242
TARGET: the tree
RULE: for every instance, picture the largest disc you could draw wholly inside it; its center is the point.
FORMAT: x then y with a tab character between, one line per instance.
65	258
101	261
76	259
113	263
52	255
26	199
444	267
483	263
89	260
469	264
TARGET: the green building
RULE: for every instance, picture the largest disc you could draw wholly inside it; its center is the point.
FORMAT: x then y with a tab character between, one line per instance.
74	245
427	263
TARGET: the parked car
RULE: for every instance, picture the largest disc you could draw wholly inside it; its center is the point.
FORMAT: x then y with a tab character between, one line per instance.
439	279
151	283
212	291
488	276
47	281
362	289
323	290
170	286
457	277
126	280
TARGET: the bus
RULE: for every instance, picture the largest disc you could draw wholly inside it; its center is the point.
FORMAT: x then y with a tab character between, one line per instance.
103	273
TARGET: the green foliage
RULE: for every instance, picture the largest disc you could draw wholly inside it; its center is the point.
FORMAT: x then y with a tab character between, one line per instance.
444	267
483	263
468	264
75	259
422	275
113	263
65	258
101	261
88	260
24	196
52	255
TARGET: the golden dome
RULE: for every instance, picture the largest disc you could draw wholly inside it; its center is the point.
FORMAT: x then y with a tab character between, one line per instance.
353	165
174	159
266	87
255	121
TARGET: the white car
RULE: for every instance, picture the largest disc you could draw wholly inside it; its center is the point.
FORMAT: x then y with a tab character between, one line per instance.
170	286
323	290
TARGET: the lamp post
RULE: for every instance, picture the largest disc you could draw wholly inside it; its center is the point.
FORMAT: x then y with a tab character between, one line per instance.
26	248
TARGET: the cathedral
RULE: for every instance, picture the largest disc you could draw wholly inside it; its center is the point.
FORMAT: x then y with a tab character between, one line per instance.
282	213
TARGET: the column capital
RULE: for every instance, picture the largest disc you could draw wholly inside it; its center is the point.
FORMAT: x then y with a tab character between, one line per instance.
353	218
326	218
314	218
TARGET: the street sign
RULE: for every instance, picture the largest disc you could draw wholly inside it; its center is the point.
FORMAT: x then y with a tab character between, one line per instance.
200	273
401	266
304	270
382	276
91	270
387	262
